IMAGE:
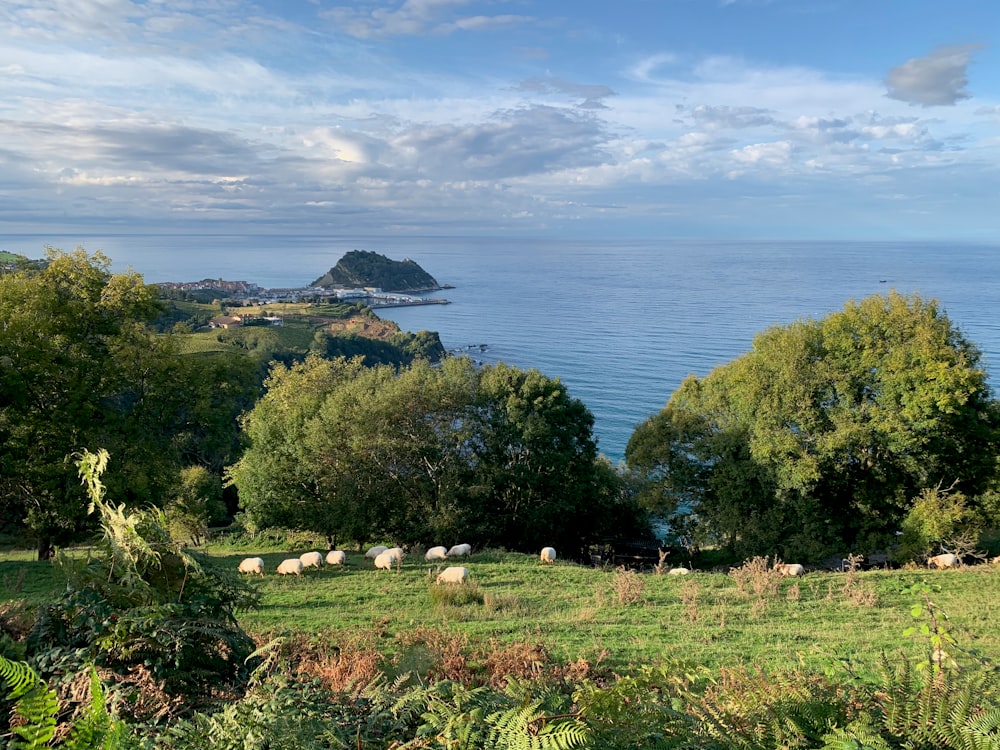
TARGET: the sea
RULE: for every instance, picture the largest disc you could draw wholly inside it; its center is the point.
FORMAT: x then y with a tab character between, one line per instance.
621	323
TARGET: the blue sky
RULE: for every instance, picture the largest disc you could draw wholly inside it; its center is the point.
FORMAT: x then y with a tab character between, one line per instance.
826	119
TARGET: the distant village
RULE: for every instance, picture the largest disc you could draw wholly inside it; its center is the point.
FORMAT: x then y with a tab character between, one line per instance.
248	293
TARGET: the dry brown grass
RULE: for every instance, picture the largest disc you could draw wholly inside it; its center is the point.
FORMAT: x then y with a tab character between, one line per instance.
340	661
628	586
439	654
690	593
758	577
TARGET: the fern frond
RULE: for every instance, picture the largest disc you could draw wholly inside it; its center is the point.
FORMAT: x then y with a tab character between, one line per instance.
861	734
982	732
20	677
527	727
96	729
34	701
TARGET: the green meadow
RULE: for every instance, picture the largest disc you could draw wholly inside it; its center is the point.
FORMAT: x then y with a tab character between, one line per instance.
614	620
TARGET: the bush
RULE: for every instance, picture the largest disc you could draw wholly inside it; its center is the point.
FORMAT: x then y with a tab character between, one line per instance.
456	595
144	604
936	516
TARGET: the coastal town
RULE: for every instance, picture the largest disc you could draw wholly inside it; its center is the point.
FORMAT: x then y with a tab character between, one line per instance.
249	293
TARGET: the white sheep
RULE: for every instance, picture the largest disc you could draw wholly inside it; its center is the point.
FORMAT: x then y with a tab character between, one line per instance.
385	560
548	555
436	554
336	557
311	559
790	569
397	551
291	566
460	550
453	575
678	572
946	560
375	551
253	565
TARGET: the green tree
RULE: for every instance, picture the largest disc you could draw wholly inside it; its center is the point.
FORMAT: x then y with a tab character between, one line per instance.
63	327
277	483
79	366
492	455
198	503
819	437
537	464
936	516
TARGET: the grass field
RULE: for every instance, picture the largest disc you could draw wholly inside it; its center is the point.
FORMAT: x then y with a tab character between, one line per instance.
612	619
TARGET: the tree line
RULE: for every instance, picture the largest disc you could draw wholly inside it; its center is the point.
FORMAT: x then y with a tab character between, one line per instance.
830	435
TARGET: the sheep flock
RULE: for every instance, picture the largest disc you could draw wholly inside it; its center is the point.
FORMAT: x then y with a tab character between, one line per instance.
382	557
391	558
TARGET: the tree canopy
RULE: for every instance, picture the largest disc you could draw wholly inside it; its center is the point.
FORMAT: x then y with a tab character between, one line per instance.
78	367
820	438
491	455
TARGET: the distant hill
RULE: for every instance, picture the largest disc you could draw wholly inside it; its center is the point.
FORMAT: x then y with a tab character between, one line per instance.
363	268
13	261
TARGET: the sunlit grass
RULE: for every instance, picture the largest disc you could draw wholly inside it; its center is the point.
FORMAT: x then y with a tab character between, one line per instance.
575	612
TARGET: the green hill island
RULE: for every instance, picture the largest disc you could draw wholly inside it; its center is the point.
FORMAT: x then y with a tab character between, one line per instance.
360	269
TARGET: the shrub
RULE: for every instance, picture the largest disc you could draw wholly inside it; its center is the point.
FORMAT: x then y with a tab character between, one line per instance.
936	515
145	605
456	595
628	586
757	576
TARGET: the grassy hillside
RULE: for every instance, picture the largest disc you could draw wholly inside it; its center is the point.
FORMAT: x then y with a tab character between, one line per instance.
612	620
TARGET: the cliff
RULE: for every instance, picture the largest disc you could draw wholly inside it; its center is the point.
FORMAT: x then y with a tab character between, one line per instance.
363	268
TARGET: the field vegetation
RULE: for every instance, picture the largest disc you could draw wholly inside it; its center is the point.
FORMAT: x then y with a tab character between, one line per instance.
578	641
125	435
612	618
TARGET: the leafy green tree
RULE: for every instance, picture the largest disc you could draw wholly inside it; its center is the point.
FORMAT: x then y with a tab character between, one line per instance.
277	483
197	504
537	463
406	436
817	439
936	516
78	366
63	327
492	455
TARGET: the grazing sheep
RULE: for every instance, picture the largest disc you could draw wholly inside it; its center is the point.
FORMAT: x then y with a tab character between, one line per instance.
790	569
946	560
336	557
253	565
397	551
678	572
292	566
460	550
548	555
385	560
375	551
311	560
436	554
453	575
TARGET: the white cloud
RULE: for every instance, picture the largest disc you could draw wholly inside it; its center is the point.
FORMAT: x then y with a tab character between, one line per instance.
777	154
938	79
726	116
215	109
415	18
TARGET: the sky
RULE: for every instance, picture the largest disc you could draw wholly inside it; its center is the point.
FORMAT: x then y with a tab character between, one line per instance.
755	119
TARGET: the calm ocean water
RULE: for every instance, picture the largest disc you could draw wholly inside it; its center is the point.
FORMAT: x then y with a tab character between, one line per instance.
620	323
